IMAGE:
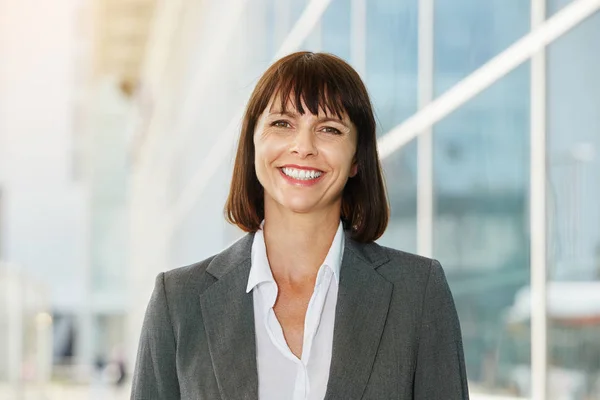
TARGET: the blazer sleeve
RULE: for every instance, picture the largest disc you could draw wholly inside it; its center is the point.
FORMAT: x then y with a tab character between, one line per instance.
155	376
440	369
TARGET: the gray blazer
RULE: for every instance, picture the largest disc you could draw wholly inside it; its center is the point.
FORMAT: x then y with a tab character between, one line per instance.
396	334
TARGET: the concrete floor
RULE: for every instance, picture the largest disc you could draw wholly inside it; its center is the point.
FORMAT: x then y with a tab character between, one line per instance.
64	392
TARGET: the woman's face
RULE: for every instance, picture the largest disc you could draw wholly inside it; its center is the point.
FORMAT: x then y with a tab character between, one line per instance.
303	161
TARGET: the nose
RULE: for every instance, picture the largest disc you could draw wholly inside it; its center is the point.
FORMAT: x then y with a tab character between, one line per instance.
303	144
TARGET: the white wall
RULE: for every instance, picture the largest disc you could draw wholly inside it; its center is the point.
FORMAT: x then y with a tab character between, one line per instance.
44	213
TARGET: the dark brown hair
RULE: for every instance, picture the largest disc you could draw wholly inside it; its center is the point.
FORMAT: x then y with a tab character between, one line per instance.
326	82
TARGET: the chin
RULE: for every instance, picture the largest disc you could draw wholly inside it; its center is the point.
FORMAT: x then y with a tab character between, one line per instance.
300	206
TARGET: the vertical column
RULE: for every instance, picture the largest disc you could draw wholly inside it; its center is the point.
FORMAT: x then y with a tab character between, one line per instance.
84	347
282	13
316	37
1	208
358	36
14	297
314	40
43	331
538	225
424	140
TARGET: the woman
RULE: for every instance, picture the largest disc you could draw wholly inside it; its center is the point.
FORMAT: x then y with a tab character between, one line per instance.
306	305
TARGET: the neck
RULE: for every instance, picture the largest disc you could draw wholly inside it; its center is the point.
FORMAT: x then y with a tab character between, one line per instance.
297	244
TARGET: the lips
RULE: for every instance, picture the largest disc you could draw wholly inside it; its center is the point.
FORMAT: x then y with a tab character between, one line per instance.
301	176
300	167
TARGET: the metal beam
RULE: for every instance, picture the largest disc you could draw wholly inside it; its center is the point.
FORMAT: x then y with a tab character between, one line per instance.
358	36
569	17
425	140
538	217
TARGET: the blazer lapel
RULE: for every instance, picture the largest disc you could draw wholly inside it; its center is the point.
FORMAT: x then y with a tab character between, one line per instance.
363	301
228	314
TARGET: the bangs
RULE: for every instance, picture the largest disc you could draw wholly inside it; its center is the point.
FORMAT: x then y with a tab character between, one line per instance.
310	84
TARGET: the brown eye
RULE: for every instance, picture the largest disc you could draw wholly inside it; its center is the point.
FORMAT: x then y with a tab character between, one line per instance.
329	129
281	124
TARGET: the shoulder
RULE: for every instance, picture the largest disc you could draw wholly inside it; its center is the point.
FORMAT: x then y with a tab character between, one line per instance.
404	258
397	265
422	276
416	279
191	277
196	277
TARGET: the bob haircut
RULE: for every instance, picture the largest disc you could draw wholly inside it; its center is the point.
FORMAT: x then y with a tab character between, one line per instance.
322	82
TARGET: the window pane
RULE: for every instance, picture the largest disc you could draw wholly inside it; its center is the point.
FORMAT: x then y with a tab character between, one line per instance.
392	59
391	76
468	33
335	29
481	170
556	5
573	213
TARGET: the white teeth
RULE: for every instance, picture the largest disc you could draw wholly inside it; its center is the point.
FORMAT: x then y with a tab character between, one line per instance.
301	174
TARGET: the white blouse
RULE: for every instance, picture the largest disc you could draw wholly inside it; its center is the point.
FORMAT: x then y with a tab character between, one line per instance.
281	375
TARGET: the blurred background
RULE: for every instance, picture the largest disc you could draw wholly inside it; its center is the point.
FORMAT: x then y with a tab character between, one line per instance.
118	123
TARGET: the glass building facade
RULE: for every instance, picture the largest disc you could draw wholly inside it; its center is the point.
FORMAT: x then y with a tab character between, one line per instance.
205	58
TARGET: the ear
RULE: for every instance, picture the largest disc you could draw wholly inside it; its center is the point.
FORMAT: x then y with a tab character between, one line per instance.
353	170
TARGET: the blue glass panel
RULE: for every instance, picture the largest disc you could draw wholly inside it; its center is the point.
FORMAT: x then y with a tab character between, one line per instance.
573	123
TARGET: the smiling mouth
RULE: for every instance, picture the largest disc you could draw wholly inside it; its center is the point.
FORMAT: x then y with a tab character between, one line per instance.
301	174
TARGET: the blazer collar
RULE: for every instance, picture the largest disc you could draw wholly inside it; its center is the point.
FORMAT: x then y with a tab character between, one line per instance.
371	254
362	306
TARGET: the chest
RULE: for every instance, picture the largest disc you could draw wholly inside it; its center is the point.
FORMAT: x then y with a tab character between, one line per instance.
290	310
369	336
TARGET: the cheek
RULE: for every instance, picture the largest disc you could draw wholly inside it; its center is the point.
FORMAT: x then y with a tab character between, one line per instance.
261	155
264	156
268	149
343	158
259	162
259	148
